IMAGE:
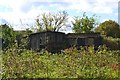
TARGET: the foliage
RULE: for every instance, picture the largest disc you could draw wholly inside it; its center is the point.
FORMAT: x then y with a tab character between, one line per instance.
73	63
23	33
52	22
84	24
8	36
112	43
109	28
22	38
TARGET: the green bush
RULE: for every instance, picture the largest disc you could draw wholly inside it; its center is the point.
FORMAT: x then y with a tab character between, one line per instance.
112	43
73	63
109	28
8	36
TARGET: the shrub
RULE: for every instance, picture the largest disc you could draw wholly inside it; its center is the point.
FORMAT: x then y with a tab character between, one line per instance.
112	43
109	28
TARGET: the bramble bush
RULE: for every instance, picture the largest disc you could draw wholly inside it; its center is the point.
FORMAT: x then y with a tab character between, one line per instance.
72	63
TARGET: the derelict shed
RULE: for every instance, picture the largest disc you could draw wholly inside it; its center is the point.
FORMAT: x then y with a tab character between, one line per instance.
51	41
84	39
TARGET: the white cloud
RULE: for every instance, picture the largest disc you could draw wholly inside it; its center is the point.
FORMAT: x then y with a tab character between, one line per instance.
79	5
102	9
18	11
105	6
95	6
99	6
27	10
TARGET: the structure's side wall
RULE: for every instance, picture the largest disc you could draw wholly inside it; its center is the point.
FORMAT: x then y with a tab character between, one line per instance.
50	41
82	35
98	41
37	41
89	41
55	42
84	39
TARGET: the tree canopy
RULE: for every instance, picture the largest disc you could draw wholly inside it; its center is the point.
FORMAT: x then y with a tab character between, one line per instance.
84	24
109	28
51	22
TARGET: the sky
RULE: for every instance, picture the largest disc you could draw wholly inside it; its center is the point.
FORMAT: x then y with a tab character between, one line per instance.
20	12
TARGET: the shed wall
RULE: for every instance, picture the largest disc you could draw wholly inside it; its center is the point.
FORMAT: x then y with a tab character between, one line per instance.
56	41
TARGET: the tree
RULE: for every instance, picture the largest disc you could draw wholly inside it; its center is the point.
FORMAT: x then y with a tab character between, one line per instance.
84	24
7	35
52	22
109	28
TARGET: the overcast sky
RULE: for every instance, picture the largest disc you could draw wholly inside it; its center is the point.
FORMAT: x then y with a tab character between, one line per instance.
12	11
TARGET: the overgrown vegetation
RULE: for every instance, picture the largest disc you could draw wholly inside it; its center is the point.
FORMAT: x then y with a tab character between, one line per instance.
84	24
112	43
72	63
109	28
7	35
18	62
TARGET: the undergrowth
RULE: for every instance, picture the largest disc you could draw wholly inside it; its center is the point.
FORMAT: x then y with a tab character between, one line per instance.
71	63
